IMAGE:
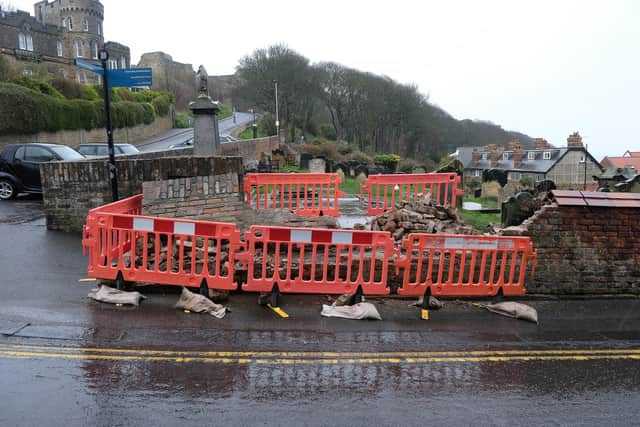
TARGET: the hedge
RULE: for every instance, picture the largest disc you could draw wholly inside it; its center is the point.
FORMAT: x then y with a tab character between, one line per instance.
26	111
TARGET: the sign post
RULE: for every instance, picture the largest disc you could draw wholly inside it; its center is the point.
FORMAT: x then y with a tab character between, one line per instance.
103	55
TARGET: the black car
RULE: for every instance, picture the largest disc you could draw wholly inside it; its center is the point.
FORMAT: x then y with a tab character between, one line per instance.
20	166
91	150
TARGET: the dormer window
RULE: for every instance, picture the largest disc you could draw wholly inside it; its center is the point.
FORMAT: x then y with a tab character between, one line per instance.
531	155
505	156
85	25
546	155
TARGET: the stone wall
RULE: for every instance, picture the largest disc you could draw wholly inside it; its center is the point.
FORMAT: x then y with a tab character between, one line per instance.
71	189
585	250
73	138
251	149
217	196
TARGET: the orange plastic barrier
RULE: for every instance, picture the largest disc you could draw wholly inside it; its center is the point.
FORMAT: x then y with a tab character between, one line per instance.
307	194
459	265
383	191
124	245
306	260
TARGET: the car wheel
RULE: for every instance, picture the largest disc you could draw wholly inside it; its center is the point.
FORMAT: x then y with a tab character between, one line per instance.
7	189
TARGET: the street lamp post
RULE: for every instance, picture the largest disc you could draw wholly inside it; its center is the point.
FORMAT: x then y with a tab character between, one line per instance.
275	82
254	126
103	56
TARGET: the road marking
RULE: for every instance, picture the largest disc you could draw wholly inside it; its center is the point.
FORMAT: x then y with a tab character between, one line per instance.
325	358
278	310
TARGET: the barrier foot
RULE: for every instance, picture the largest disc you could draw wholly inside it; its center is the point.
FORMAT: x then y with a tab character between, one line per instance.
424	310
499	296
119	281
358	297
204	289
275	296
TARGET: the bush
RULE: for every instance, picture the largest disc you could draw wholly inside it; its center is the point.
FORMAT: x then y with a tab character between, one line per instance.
344	148
388	161
267	125
70	89
327	131
38	85
361	158
162	105
408	165
89	93
6	72
182	121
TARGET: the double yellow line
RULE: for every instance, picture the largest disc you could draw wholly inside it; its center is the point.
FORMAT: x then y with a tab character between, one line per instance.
309	358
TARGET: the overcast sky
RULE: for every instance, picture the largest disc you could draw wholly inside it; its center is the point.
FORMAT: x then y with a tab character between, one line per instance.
545	68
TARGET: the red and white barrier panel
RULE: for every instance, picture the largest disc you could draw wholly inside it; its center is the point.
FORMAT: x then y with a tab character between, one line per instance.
460	265
161	250
306	194
383	191
306	260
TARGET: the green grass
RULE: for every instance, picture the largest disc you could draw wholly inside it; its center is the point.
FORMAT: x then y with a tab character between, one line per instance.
224	112
350	186
246	134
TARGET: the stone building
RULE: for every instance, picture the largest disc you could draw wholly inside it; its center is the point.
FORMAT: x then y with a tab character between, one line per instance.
60	32
569	167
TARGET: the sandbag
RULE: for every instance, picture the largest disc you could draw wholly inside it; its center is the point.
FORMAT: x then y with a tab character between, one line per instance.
515	310
114	296
363	310
200	304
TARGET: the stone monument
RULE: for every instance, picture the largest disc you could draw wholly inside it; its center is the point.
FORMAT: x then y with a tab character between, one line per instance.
206	137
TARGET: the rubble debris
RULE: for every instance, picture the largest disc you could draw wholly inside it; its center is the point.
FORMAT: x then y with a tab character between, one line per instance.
420	217
363	310
434	303
200	304
114	296
514	310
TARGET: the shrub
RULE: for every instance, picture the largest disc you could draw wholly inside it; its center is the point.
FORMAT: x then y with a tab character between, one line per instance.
162	105
182	121
389	161
327	131
344	148
89	93
407	165
360	157
6	72
70	89
38	85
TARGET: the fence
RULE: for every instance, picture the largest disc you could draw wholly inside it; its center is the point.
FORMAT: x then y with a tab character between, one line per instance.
458	265
308	194
383	191
306	260
126	246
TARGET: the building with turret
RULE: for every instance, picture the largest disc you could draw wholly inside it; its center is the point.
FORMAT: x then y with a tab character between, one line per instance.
59	32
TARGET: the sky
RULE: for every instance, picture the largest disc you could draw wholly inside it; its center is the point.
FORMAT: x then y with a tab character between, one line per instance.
544	68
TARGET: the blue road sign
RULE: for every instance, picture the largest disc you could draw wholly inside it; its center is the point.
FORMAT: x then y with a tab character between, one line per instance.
89	66
130	77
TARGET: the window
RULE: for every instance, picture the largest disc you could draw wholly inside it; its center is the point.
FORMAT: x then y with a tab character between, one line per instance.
19	153
85	25
514	176
70	24
99	28
484	156
79	48
29	43
546	155
82	77
123	62
37	155
505	156
97	79
64	22
94	49
539	178
22	41
582	159
531	155
59	47
476	172
113	64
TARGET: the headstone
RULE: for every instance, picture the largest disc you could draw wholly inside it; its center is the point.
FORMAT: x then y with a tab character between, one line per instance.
317	166
304	160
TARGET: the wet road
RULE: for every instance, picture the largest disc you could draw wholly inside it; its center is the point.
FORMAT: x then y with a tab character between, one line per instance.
176	136
67	360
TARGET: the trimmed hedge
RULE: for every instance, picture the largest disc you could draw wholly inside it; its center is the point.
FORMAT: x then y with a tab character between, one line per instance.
26	111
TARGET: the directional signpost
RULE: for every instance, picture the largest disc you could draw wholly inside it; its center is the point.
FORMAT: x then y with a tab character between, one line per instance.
129	77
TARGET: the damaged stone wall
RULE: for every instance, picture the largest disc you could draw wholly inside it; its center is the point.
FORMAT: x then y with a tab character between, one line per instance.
584	250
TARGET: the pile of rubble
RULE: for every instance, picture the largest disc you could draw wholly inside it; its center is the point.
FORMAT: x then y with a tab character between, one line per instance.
420	217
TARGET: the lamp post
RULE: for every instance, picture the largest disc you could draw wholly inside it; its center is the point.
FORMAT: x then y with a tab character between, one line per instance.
254	126
103	56
275	82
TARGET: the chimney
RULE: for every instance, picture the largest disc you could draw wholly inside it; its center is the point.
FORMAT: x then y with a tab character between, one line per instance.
574	140
541	144
475	156
517	157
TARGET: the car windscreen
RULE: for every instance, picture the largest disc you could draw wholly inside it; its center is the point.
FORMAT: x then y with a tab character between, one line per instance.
128	149
67	153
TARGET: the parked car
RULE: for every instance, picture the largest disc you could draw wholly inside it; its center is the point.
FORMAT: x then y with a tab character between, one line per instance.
189	142
93	150
20	166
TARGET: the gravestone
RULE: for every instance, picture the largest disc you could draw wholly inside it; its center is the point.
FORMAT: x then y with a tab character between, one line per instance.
317	166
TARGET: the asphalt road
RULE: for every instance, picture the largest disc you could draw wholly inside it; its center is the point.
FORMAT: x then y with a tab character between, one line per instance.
66	360
176	136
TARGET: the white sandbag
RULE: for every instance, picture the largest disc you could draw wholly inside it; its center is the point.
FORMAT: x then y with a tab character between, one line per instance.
363	310
114	296
200	304
515	310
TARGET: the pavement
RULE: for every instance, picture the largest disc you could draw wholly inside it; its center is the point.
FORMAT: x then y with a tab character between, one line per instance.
68	360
